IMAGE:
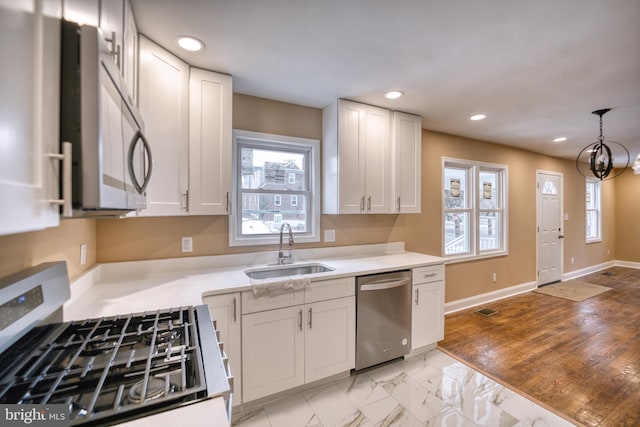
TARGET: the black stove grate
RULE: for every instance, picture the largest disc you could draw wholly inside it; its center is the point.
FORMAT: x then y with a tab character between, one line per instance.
105	368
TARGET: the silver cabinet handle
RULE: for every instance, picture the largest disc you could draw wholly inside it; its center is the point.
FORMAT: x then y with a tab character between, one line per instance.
362	204
398	204
300	320
139	136
310	317
430	275
385	284
417	297
235	311
228	206
369	204
66	158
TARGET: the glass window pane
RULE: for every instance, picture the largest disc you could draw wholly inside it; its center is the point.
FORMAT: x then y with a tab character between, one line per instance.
488	190
455	184
592	225
261	214
489	231
273	169
457	238
591	195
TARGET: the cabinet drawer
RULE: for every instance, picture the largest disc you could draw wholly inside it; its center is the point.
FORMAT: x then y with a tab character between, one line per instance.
253	304
330	289
428	274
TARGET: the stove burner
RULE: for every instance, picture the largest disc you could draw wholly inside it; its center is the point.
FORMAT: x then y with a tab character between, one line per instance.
156	388
163	337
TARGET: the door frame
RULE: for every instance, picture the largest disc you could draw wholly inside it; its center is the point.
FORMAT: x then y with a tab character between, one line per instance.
560	175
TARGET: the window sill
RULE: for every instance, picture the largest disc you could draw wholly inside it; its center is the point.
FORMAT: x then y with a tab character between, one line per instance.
598	240
465	258
272	240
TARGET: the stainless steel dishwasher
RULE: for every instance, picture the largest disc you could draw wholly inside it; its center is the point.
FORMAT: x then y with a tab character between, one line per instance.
383	320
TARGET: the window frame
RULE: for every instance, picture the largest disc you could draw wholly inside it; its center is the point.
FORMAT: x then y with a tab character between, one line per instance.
267	141
597	191
473	208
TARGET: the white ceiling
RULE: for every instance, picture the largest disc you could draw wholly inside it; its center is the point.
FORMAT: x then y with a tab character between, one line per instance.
536	68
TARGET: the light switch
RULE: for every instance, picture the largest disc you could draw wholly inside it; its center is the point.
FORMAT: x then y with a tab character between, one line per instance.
566	217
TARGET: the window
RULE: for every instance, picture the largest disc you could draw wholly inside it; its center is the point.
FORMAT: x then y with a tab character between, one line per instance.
276	181
474	209
593	210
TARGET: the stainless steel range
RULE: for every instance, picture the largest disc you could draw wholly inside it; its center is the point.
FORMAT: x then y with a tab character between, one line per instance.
108	370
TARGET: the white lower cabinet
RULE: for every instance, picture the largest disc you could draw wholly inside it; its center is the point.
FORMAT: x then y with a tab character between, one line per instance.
291	346
330	340
427	314
272	351
225	312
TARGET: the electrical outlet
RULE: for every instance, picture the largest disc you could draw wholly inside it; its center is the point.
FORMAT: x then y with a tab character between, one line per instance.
608	251
83	254
187	244
494	277
572	260
329	236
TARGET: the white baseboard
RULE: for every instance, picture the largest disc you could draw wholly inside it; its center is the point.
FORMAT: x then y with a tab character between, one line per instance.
461	304
587	270
628	264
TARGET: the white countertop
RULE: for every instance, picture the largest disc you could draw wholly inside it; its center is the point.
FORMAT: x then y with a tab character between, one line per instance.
137	286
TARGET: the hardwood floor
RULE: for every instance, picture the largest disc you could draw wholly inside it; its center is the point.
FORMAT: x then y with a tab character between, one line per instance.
580	359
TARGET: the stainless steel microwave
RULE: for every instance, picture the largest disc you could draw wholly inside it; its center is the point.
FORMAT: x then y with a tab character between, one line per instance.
111	157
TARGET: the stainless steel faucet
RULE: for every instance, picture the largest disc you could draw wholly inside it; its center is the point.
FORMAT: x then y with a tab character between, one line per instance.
282	259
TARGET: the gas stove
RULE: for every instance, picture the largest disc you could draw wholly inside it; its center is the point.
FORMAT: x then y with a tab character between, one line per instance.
112	369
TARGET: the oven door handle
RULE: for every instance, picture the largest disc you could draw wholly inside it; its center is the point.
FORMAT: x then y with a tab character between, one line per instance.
385	284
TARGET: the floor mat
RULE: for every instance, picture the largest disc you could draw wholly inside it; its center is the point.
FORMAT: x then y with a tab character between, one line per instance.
574	290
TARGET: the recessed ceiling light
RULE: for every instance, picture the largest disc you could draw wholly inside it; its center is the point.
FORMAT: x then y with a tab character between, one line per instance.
189	43
393	94
478	117
560	139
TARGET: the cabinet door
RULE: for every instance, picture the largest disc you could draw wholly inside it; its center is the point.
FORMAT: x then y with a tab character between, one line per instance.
164	105
272	352
210	103
427	315
351	159
112	24
329	338
378	161
225	312
407	148
130	52
29	107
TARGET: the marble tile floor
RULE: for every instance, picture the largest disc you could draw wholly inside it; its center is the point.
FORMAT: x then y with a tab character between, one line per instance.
431	389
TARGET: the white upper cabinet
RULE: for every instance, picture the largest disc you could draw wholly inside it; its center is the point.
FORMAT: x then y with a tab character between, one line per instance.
83	12
129	66
210	109
29	107
164	106
187	115
357	159
406	135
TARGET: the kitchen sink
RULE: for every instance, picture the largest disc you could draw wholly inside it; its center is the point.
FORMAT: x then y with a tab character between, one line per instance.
286	270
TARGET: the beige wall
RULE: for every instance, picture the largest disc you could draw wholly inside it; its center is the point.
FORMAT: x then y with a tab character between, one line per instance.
158	238
627	201
62	243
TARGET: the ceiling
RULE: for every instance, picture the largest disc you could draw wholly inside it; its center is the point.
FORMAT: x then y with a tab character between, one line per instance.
536	69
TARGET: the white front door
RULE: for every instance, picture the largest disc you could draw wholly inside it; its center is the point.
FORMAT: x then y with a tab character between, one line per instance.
549	227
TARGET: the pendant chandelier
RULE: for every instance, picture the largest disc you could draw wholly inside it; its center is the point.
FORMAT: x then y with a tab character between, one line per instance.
596	159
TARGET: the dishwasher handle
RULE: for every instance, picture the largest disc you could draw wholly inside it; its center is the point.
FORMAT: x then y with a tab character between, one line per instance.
379	285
